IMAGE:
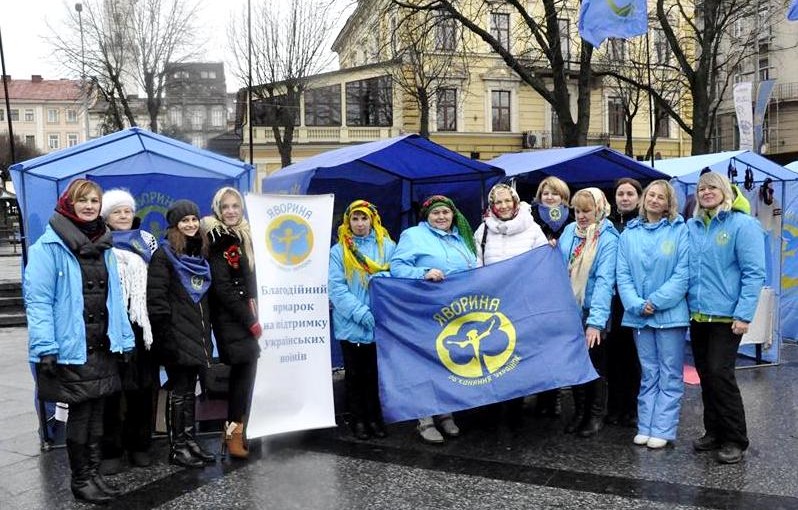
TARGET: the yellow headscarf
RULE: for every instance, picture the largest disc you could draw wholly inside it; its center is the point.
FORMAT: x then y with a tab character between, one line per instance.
354	261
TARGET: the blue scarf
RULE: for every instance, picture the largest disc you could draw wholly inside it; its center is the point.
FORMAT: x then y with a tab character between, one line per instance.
131	240
194	272
554	217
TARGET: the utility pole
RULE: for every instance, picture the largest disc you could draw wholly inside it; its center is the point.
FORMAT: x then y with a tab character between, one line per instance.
84	88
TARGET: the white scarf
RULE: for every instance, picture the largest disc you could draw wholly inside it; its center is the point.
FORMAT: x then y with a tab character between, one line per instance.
133	276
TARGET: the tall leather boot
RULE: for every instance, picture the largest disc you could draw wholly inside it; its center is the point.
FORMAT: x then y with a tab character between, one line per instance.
189	427
580	396
95	456
179	453
597	408
82	484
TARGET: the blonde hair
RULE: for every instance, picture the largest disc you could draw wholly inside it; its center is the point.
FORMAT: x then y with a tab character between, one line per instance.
670	195
557	185
720	182
81	187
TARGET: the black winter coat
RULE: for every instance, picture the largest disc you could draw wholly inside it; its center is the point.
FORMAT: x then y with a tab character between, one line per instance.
181	329
233	289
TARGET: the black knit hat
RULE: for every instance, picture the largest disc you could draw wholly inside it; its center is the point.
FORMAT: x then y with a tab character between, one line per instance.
180	209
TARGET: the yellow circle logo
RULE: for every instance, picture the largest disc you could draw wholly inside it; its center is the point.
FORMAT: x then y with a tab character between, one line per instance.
723	238
668	247
476	344
289	239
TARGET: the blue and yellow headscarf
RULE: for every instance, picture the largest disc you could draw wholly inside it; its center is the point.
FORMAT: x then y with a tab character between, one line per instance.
354	261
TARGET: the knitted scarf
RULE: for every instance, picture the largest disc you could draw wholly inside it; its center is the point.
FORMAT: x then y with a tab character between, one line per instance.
459	221
354	261
133	276
193	270
581	260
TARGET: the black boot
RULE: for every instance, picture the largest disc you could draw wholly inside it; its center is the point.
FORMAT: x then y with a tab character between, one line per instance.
580	395
597	408
82	484
189	426
179	453
94	450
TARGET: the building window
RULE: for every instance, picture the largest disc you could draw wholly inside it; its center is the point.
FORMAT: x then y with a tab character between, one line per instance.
2	114
14	114
500	110
217	117
30	141
176	117
269	111
663	122
72	139
53	141
71	116
369	102
445	33
764	68
323	106
208	75
500	28
180	75
197	140
197	119
29	117
618	50
616	124
447	110
564	25
52	116
662	49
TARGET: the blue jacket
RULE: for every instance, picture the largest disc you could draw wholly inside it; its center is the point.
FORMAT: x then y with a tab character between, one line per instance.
350	300
601	280
653	265
423	247
727	265
53	290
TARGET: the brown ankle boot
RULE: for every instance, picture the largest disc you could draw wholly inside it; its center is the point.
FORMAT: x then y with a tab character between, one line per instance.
234	440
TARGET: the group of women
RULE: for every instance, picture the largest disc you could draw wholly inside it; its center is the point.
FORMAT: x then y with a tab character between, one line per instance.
669	274
108	305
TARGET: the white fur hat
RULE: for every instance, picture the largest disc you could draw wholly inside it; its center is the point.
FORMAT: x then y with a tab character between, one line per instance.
115	198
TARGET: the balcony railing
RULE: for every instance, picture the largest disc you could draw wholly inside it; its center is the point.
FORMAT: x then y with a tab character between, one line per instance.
330	134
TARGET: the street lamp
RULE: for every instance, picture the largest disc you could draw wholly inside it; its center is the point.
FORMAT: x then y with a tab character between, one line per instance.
79	9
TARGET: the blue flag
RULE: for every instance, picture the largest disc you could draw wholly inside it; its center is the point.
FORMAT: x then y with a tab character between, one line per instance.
602	19
792	13
502	331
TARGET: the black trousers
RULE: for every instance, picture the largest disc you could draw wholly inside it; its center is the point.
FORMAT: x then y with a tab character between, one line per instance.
182	379
623	365
362	391
242	381
715	353
85	422
127	422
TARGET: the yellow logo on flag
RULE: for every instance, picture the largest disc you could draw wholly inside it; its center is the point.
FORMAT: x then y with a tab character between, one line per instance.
289	239
477	344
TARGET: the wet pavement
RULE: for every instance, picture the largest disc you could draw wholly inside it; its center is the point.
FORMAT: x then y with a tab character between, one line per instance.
492	465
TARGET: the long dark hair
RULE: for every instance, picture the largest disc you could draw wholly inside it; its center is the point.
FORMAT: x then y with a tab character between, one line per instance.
177	240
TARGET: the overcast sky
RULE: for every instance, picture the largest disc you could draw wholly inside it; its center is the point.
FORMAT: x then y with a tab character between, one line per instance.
24	26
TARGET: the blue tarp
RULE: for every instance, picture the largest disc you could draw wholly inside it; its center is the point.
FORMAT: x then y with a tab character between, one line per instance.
580	167
395	174
156	169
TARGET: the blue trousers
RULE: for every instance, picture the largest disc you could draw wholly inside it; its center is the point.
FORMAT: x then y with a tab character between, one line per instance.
661	353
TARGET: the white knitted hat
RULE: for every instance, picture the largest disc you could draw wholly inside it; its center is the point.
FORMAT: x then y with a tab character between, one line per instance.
115	198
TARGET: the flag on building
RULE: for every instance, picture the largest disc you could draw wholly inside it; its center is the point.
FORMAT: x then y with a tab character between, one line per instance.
602	19
495	333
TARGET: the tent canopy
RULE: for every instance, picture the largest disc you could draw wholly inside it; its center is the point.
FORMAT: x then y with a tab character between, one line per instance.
580	167
156	169
688	169
395	174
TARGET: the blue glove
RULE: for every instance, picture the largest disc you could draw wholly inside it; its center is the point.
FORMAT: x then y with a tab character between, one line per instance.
367	321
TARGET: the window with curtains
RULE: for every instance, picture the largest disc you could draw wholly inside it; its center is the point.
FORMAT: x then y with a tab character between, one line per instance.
615	125
500	110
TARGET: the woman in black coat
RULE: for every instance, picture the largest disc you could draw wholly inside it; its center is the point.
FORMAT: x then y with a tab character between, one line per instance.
233	309
178	281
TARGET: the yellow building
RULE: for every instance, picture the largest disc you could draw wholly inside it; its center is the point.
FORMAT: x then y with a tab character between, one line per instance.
478	106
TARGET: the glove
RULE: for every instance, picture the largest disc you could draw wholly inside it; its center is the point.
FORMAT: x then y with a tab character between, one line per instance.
47	365
256	330
368	321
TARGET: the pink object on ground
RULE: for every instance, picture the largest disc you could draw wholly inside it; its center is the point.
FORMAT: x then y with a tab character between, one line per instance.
690	375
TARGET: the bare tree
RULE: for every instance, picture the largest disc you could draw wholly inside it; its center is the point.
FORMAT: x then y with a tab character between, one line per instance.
624	57
289	41
536	52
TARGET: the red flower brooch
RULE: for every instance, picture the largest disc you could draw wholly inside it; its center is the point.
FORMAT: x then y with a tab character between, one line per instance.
233	256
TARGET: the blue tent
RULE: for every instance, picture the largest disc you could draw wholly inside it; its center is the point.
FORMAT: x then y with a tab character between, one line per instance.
157	170
580	167
782	271
395	174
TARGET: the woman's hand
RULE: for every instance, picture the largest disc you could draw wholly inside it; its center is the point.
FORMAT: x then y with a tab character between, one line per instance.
593	336
435	275
648	308
739	327
552	243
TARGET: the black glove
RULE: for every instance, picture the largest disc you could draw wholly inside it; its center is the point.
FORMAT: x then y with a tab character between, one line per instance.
126	357
47	365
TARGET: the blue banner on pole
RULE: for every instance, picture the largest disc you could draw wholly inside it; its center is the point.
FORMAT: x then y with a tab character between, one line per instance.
495	333
792	12
602	19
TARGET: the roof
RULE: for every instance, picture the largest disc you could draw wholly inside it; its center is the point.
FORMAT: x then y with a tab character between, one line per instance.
44	90
688	169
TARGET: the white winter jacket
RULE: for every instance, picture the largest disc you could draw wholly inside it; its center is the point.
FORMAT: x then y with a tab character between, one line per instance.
506	239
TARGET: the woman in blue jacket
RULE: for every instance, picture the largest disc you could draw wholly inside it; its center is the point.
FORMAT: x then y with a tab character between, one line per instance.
589	247
77	321
440	245
652	276
362	253
727	271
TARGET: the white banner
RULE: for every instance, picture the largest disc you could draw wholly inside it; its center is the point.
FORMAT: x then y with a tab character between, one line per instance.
745	114
293	387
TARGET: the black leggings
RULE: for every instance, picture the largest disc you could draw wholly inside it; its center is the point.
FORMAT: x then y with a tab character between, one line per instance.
242	381
85	423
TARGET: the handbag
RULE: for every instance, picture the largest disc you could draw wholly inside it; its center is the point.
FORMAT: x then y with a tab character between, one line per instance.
215	381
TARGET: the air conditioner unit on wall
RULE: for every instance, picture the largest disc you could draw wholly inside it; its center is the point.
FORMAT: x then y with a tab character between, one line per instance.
529	140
